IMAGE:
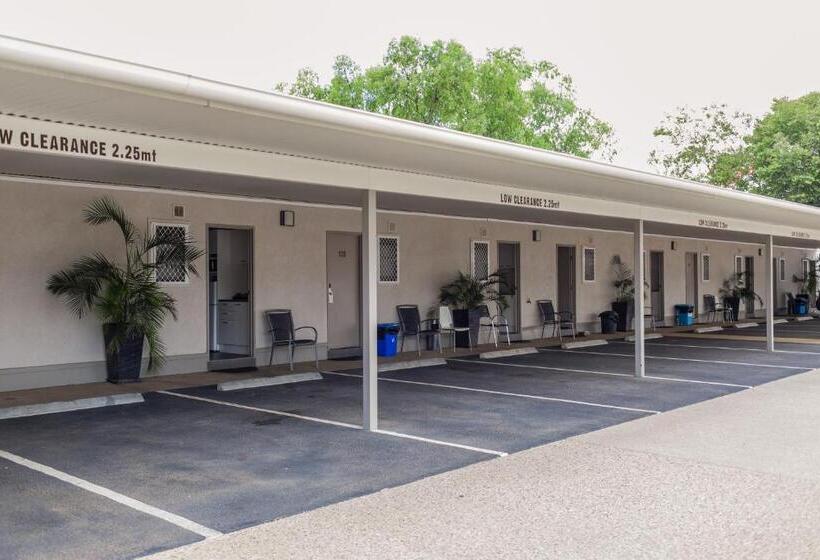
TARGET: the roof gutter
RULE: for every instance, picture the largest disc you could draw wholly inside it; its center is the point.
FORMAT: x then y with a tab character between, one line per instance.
115	73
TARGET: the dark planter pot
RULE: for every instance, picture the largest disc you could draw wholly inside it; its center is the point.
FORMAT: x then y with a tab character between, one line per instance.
123	366
733	303
624	309
466	318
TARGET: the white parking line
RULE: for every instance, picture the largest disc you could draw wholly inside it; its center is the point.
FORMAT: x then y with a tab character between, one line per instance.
265	410
335	423
439	442
504	393
728	363
722	348
172	518
613	374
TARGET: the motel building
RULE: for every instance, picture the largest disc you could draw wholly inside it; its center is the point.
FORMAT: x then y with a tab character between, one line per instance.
339	216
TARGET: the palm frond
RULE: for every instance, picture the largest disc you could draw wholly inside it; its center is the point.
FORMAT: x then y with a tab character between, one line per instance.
104	210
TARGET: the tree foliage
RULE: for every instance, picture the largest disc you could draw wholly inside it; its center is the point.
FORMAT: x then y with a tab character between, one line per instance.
502	96
777	155
692	141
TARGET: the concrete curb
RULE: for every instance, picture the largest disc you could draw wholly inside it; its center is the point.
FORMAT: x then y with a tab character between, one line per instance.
508	352
744	325
410	364
702	330
649	336
801	319
779	321
268	381
583	344
68	406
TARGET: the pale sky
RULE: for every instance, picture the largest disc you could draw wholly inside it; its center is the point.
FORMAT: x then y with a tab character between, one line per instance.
631	60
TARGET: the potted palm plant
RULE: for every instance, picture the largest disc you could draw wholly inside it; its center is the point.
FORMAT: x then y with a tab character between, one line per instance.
465	294
125	295
735	288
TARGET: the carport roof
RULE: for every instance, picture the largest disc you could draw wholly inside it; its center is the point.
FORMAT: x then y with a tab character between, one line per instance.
56	85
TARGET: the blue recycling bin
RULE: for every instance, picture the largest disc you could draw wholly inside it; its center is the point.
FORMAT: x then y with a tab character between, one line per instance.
387	337
684	315
801	307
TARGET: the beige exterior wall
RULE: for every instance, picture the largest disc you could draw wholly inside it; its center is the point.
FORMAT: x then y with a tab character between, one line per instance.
42	230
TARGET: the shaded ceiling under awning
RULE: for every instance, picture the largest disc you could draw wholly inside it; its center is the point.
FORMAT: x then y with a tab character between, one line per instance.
69	169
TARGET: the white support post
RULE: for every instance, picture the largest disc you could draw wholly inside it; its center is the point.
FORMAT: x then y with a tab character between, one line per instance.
770	303
638	280
370	364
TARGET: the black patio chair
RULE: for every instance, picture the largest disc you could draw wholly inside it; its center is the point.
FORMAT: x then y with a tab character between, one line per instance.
790	303
558	320
411	324
283	334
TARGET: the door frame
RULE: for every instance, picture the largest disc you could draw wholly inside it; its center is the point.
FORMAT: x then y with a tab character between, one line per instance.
517	326
660	313
695	278
250	360
358	236
558	247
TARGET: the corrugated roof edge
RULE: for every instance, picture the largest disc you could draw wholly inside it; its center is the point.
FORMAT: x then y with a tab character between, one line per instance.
80	65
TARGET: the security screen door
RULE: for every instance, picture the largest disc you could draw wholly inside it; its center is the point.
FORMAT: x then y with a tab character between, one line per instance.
750	282
692	280
508	269
566	278
656	284
343	294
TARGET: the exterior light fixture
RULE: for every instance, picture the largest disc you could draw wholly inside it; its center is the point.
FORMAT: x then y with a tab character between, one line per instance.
287	218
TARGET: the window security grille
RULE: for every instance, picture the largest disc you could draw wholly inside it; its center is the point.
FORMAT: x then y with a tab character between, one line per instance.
589	264
170	271
706	261
480	260
738	265
388	259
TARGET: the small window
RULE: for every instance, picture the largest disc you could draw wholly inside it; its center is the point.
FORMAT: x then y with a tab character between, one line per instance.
589	264
706	271
389	259
169	270
480	259
782	273
738	264
805	267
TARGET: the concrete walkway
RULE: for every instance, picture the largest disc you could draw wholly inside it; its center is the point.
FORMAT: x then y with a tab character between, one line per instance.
734	477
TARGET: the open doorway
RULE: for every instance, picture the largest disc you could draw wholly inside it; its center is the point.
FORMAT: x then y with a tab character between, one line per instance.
230	319
344	282
509	263
566	278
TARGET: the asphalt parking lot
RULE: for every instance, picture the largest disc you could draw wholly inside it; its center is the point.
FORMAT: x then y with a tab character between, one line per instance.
129	480
806	329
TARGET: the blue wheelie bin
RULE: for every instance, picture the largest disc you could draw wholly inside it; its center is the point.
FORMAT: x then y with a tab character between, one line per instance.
387	336
684	315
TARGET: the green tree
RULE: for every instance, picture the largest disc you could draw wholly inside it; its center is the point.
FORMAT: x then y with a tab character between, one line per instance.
781	158
692	141
501	96
777	155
